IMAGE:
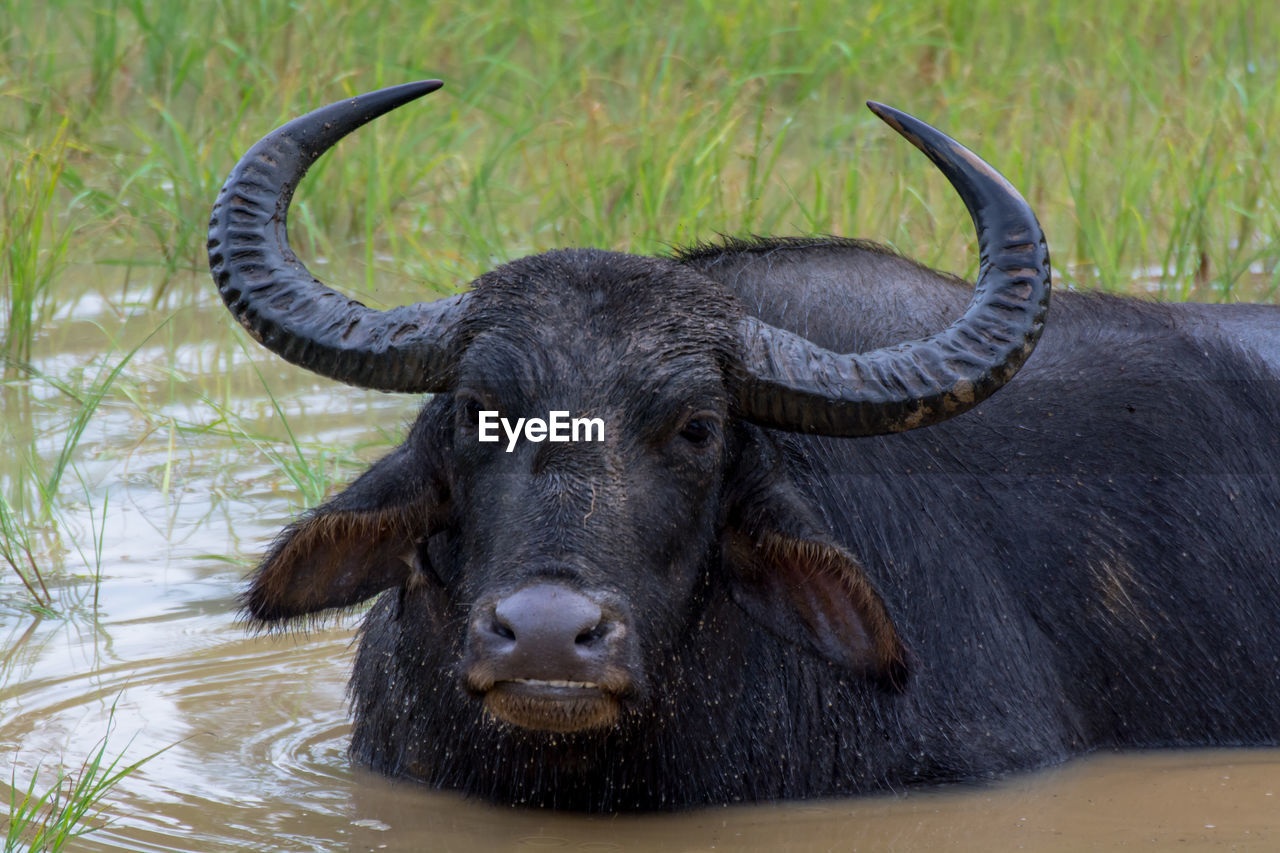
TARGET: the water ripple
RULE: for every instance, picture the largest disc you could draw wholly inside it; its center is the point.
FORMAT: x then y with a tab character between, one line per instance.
249	733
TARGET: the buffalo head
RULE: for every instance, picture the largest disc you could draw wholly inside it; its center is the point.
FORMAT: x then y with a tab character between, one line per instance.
545	587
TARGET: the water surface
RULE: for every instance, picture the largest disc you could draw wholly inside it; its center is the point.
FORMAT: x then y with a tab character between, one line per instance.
192	466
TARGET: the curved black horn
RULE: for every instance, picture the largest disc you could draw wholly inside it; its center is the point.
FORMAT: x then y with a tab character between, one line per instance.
281	304
790	383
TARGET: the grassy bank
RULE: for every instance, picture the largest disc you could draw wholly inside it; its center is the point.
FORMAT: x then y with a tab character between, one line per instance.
1140	135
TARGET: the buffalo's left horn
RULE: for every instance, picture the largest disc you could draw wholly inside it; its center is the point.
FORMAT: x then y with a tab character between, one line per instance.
281	304
789	383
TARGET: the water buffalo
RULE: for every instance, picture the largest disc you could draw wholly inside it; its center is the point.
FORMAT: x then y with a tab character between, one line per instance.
778	571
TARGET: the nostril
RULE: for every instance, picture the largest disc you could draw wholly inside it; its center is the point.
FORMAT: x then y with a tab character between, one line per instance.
592	635
501	628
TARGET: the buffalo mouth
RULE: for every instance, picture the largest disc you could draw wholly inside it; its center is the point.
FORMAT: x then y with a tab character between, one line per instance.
552	705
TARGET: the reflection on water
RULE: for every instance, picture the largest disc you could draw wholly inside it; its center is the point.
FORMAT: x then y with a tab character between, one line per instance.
258	727
254	728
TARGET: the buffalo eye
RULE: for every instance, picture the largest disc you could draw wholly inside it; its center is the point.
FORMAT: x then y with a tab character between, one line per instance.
469	409
699	430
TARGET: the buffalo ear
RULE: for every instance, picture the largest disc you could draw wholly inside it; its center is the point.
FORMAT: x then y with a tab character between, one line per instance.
330	559
803	587
353	546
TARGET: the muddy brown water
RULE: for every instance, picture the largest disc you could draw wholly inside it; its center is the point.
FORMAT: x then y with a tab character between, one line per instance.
251	731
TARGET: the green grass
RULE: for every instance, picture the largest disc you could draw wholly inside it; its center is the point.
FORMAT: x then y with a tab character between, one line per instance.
36	493
18	552
34	241
70	808
308	467
1142	134
32	492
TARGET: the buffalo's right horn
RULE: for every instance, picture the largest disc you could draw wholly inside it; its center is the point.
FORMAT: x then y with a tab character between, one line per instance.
281	304
790	383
